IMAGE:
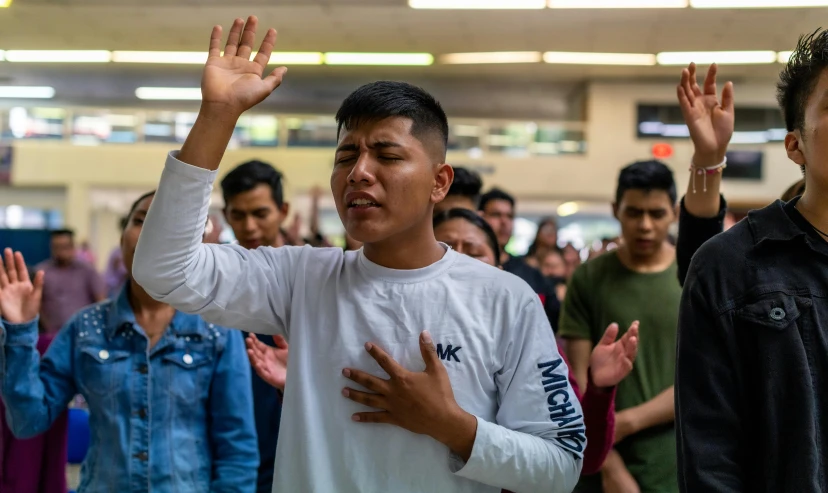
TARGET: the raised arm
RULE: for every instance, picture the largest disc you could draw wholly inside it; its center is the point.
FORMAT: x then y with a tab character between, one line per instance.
226	285
35	392
711	126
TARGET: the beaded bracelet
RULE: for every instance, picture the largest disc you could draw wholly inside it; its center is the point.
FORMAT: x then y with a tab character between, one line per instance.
712	170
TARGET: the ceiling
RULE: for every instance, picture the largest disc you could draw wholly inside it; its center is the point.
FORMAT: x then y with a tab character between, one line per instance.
390	26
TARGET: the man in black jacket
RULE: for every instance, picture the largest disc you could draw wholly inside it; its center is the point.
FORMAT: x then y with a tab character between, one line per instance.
752	347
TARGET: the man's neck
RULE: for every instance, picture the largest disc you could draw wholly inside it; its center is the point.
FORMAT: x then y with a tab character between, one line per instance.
657	262
408	250
814	207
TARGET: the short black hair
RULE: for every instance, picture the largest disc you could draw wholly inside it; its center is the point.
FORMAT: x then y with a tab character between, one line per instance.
249	175
62	232
798	79
125	220
386	99
466	183
648	176
474	219
495	194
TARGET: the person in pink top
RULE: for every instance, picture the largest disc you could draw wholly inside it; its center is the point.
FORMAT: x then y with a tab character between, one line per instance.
611	361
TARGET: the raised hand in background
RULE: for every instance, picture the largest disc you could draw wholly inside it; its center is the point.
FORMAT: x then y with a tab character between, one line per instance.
19	296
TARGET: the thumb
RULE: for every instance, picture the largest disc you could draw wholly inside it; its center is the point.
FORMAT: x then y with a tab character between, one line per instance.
428	351
37	293
280	342
610	335
727	97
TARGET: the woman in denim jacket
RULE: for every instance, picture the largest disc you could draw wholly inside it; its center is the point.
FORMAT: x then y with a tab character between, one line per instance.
169	395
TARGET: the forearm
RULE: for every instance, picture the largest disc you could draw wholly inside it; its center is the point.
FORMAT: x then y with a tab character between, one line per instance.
694	232
657	411
29	411
702	198
208	139
518	461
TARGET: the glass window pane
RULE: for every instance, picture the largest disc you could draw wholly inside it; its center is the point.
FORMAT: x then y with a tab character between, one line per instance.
90	127
256	130
464	137
316	131
34	123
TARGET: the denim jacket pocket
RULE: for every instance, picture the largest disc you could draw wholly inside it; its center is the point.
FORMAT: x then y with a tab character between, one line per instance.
99	369
777	311
189	373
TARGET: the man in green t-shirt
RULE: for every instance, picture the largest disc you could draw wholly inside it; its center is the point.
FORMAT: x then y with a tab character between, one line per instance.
636	282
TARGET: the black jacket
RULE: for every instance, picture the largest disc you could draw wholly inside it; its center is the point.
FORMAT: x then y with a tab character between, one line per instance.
752	365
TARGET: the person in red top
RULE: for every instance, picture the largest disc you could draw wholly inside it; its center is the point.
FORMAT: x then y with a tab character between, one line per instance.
611	361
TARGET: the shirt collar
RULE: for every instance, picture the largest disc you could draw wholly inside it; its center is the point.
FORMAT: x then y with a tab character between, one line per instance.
121	317
773	223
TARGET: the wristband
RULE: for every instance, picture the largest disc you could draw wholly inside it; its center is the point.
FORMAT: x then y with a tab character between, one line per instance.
712	170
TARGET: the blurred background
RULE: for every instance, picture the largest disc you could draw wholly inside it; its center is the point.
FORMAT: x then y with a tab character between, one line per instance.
547	100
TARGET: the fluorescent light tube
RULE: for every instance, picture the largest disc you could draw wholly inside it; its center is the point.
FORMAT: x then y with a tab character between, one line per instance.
58	56
296	58
783	56
755	4
169	93
478	4
5	3
492	57
378	59
27	92
564	57
178	57
720	57
617	4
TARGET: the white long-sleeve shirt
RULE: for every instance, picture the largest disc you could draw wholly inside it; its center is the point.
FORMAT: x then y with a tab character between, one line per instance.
489	327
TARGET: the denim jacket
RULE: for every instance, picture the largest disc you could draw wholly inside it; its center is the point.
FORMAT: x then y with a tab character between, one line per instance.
174	418
752	367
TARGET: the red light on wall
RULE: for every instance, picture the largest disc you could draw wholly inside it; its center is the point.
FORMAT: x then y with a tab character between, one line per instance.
662	151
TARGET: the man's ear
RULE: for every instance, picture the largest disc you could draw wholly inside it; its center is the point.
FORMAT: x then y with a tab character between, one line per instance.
793	146
443	178
284	209
615	210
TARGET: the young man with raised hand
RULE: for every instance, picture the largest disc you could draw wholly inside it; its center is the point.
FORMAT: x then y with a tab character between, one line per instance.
413	368
752	362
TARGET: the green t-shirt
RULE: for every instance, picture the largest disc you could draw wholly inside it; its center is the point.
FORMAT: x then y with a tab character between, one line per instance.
604	291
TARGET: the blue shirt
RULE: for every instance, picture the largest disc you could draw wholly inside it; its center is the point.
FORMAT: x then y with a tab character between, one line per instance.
177	417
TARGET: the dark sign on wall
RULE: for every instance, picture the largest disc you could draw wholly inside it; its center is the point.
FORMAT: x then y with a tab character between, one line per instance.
5	164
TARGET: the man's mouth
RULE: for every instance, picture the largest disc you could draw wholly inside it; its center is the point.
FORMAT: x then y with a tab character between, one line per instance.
361	204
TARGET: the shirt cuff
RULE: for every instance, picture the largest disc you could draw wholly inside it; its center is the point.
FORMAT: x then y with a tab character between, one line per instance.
476	463
597	396
188	171
24	334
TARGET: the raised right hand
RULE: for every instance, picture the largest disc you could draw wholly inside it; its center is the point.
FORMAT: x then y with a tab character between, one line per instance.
19	298
710	122
232	83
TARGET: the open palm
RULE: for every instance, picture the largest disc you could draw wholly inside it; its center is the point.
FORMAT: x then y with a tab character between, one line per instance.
710	122
611	361
19	297
231	79
270	363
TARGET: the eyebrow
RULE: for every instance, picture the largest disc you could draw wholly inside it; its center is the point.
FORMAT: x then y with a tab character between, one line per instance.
380	144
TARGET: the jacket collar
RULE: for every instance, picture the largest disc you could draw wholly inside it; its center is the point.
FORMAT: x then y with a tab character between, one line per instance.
121	317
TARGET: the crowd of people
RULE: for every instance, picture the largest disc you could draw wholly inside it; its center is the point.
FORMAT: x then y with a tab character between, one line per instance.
423	357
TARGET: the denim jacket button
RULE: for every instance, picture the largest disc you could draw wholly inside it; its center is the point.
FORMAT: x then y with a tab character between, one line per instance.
188	360
104	354
777	314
